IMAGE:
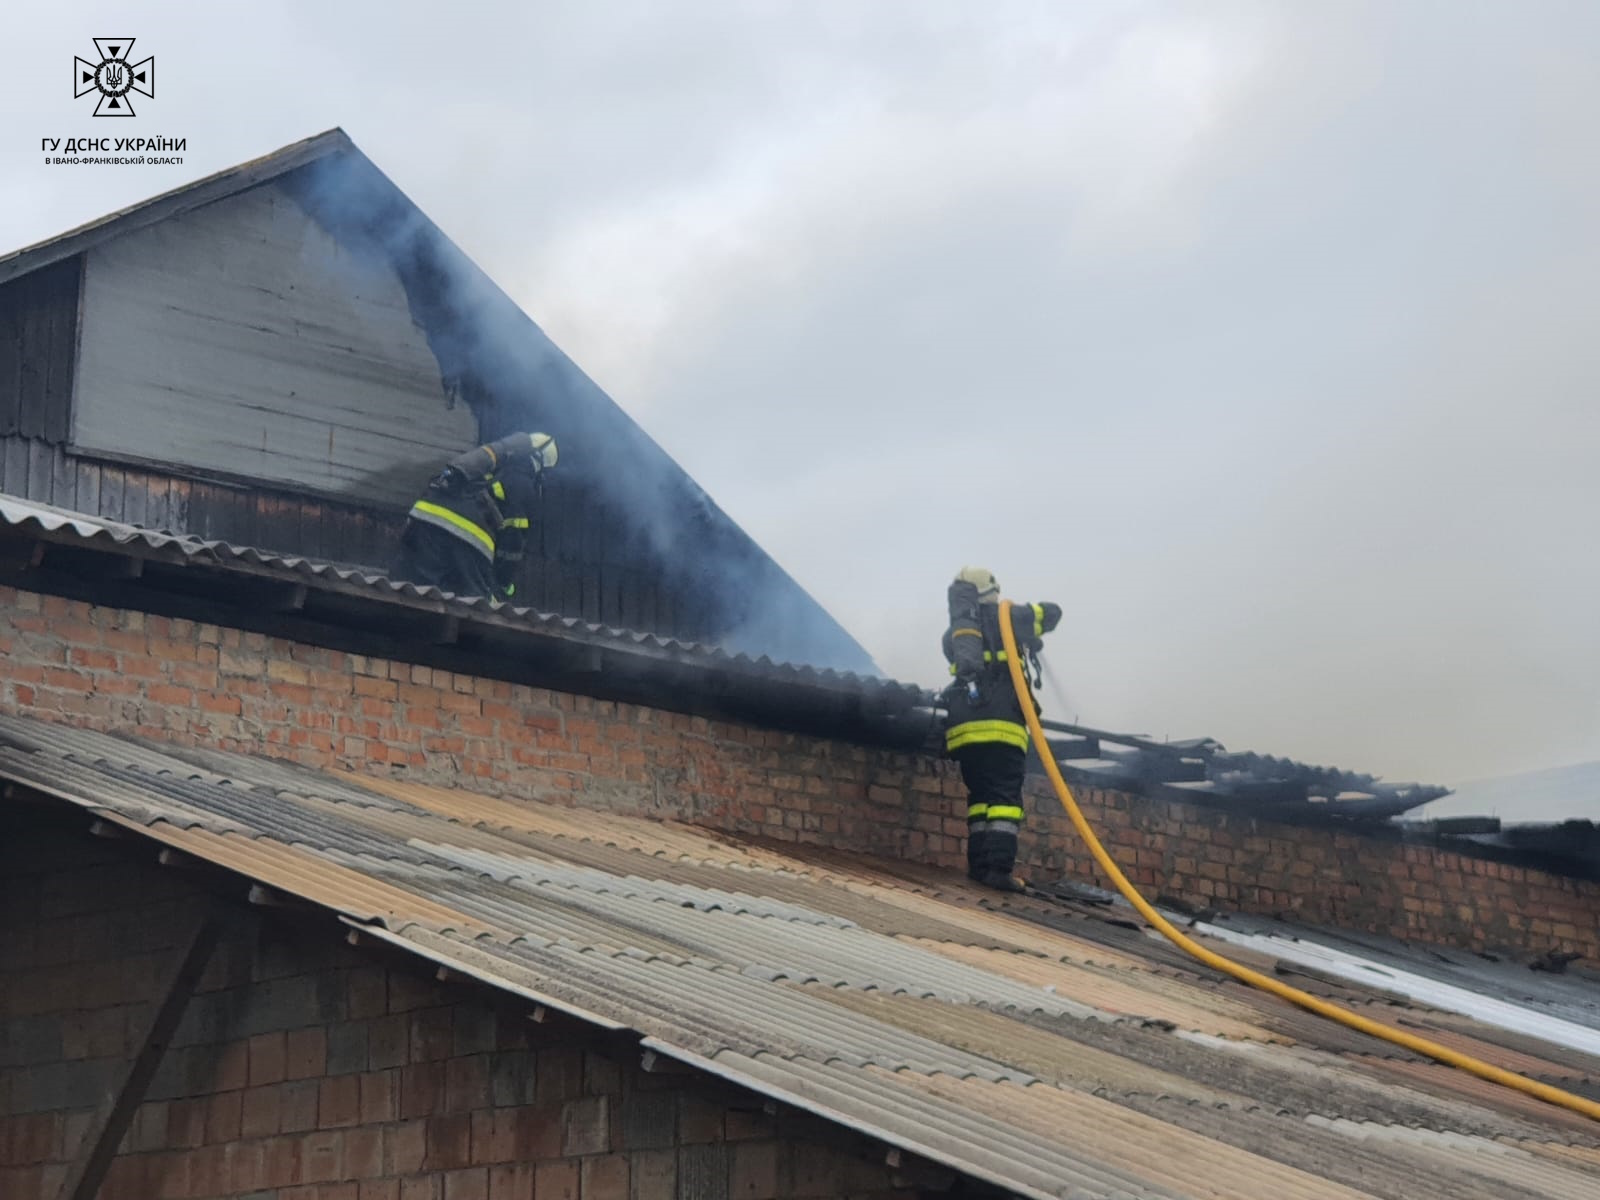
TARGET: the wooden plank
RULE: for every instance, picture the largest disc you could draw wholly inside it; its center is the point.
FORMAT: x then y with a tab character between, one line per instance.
41	476
88	474
111	489
591	594
60	349
645	591
178	492
63	479
111	1122
10	361
285	359
158	510
135	497
31	339
14	466
311	539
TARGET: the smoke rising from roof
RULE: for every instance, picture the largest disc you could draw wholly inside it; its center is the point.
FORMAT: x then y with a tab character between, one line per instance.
495	359
1283	313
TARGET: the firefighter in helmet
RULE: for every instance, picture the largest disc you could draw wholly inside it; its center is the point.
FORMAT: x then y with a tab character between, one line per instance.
468	531
985	733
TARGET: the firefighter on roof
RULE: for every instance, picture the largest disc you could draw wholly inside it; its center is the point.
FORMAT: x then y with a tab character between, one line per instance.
467	533
985	733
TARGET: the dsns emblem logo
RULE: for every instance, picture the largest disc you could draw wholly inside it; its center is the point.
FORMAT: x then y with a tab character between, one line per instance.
114	77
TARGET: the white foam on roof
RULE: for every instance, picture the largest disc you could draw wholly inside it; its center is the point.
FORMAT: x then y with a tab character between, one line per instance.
1446	996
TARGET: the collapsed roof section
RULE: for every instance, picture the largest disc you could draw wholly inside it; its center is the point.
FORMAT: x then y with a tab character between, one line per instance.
1200	770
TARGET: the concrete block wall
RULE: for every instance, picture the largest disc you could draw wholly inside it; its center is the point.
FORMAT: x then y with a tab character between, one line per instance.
305	1069
188	683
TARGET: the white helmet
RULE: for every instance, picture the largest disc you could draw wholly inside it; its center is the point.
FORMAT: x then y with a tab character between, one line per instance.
543	450
983	579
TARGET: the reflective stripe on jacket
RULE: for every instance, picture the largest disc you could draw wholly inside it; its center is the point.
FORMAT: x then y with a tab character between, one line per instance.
485	498
1011	733
439	513
996	715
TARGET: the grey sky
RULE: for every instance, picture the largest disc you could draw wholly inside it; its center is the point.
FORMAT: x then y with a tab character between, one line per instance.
1257	335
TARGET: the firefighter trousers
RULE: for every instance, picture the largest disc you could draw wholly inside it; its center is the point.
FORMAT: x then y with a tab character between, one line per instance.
431	557
992	773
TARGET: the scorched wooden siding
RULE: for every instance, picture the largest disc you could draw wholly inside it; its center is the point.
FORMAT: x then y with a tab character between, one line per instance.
242	339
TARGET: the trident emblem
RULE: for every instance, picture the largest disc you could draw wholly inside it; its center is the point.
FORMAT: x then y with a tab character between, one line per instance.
114	77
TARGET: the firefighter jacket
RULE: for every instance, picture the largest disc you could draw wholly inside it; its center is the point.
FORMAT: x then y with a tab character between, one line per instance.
486	497
977	658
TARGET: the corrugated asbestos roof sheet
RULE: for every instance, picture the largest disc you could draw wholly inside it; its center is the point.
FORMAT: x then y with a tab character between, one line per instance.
99	533
1052	1049
1198	771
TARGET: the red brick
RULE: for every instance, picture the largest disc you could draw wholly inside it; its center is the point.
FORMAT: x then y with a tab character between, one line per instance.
753	1174
223	1116
245	1166
539	1132
300	1101
233	1067
467	1083
366	994
422	1187
469	1184
559	1075
698	1120
363	1153
339	1101
405	1147
511	1181
655	1175
449	1142
186	1123
742	1125
305	1054
28	1138
389	1042
422	1090
208	1171
262	1111
382	1189
380	1096
281	1164
432	1035
322	1156
556	1181
494	1136
267	1053
587	1126
606	1177
128	1178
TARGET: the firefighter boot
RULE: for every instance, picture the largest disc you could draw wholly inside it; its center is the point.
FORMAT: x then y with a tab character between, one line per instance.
1000	859
977	849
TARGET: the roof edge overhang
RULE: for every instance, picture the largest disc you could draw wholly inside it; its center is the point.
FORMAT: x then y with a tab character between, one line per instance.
90	559
182	199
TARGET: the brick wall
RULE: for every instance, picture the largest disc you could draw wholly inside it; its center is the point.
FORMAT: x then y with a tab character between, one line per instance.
306	1070
177	681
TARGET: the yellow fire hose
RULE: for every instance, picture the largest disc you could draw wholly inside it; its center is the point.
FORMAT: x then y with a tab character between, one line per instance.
1244	974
